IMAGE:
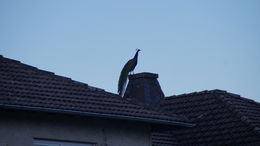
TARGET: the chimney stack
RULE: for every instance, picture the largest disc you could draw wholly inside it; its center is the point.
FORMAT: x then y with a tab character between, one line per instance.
144	88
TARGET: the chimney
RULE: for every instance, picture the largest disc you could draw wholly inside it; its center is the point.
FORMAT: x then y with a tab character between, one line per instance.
144	88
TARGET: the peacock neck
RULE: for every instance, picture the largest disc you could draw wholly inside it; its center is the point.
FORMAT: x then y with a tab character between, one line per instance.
136	55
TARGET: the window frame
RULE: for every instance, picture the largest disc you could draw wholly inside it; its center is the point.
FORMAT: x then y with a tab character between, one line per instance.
51	142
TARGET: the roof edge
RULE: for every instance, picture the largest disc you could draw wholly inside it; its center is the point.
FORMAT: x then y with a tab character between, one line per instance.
203	92
100	115
197	93
53	74
219	91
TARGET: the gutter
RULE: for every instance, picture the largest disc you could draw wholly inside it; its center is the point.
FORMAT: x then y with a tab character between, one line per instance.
101	115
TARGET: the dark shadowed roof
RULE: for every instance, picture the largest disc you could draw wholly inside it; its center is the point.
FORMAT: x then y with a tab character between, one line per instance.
221	118
26	87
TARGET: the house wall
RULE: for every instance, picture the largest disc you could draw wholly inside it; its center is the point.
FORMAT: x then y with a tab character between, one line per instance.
20	128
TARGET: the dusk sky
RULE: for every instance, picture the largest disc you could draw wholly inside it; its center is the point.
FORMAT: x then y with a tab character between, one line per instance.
193	45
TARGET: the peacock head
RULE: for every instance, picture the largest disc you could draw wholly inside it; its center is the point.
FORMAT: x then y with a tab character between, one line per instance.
137	50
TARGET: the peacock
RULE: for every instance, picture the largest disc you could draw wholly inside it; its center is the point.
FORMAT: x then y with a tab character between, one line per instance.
128	68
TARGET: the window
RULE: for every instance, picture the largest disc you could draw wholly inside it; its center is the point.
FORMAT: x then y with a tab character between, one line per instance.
38	142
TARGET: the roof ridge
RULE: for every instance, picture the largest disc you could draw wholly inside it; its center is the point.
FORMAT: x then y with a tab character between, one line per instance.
243	98
203	92
53	75
27	65
12	60
237	113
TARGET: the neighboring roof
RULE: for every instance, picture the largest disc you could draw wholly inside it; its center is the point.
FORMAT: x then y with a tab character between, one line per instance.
26	87
221	118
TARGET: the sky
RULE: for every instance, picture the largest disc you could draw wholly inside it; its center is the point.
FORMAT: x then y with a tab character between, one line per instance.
192	45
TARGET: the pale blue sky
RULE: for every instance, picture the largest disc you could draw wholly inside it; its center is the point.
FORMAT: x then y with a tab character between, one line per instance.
192	45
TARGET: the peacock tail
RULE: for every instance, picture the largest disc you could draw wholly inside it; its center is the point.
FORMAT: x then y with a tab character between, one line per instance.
123	78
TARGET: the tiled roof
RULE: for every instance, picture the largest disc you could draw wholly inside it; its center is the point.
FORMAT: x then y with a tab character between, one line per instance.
26	87
221	118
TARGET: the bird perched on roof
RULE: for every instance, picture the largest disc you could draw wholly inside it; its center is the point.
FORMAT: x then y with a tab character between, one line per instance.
128	68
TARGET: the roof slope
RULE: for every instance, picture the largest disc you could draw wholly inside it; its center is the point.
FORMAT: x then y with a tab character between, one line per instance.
26	87
221	118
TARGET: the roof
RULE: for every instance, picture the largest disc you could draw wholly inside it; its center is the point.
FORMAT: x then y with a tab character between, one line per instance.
28	88
221	118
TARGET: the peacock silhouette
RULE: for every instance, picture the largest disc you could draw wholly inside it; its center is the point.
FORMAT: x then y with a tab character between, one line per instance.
128	68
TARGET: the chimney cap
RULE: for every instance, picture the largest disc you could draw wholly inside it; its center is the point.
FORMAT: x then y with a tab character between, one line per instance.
143	75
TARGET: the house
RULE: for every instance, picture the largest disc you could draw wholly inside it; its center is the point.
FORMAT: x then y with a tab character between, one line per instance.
40	108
